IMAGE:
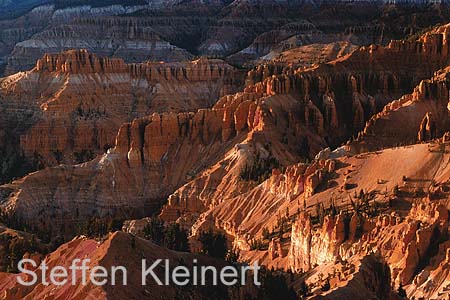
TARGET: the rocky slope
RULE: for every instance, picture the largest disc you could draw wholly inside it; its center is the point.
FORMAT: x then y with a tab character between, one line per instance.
111	251
309	55
30	22
417	117
128	39
152	156
323	104
115	251
404	221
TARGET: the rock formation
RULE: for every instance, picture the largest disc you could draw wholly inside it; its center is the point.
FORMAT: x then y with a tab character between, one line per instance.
419	116
427	129
330	99
126	39
144	166
276	164
172	30
73	103
129	251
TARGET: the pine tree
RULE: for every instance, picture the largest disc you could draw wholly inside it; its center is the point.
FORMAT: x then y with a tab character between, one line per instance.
401	291
265	233
214	244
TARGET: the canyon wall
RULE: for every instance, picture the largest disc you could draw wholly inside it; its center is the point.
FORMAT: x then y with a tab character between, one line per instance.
73	103
152	156
417	117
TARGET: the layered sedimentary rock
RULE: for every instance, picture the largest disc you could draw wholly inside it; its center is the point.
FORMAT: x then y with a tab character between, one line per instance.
420	116
405	244
267	117
152	156
14	31
332	100
35	19
365	80
310	54
361	225
128	39
273	40
159	153
325	182
265	147
299	43
408	243
73	103
171	30
244	216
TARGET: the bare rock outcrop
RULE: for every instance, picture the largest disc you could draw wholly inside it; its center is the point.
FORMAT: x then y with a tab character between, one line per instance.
334	99
427	129
310	248
128	39
403	244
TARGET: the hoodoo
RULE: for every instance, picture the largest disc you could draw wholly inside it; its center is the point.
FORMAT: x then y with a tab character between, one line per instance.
229	150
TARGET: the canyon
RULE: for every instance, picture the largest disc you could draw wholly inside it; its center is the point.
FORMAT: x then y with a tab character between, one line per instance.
317	146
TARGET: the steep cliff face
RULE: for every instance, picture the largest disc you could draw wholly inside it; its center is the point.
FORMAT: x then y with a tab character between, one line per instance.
408	234
73	103
244	214
308	248
23	27
420	116
275	40
298	43
364	80
19	26
270	142
117	138
159	153
306	105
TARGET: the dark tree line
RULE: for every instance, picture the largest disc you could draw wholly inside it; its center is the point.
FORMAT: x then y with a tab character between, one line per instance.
12	250
214	244
274	287
171	236
260	170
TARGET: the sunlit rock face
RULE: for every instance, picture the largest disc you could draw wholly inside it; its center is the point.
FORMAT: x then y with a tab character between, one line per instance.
332	170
